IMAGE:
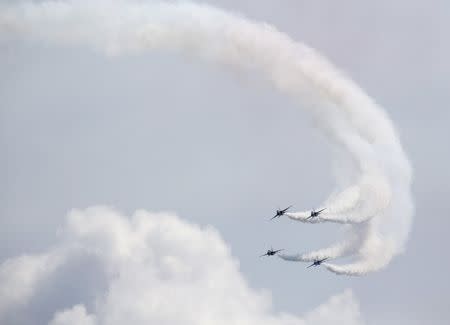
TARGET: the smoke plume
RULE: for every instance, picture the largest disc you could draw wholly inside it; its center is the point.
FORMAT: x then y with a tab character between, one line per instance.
373	175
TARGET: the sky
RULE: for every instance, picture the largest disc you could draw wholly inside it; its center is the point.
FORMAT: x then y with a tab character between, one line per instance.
165	132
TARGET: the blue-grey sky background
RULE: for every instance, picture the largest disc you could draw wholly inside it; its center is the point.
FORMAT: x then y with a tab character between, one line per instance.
164	132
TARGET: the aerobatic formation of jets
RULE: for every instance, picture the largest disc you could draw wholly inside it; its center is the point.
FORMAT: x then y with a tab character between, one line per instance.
313	214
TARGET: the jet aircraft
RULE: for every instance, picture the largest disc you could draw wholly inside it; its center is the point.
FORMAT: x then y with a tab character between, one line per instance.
315	213
317	262
280	212
271	252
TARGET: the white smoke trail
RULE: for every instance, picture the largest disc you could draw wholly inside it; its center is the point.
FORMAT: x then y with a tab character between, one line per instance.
373	173
354	238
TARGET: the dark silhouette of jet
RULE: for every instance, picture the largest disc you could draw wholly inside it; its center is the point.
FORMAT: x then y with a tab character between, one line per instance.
280	212
271	252
315	213
317	262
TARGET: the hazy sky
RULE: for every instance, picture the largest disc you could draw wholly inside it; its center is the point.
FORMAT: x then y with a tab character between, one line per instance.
163	132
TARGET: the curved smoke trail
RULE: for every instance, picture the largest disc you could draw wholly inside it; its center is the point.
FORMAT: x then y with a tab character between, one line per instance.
373	174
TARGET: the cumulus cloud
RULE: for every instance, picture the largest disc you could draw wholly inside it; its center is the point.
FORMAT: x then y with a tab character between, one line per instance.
149	269
74	316
20	276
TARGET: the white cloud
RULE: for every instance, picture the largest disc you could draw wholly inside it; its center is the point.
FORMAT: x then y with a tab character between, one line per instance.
158	269
74	316
19	278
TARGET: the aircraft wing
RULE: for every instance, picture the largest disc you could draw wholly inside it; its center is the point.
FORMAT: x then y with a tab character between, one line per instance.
287	208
